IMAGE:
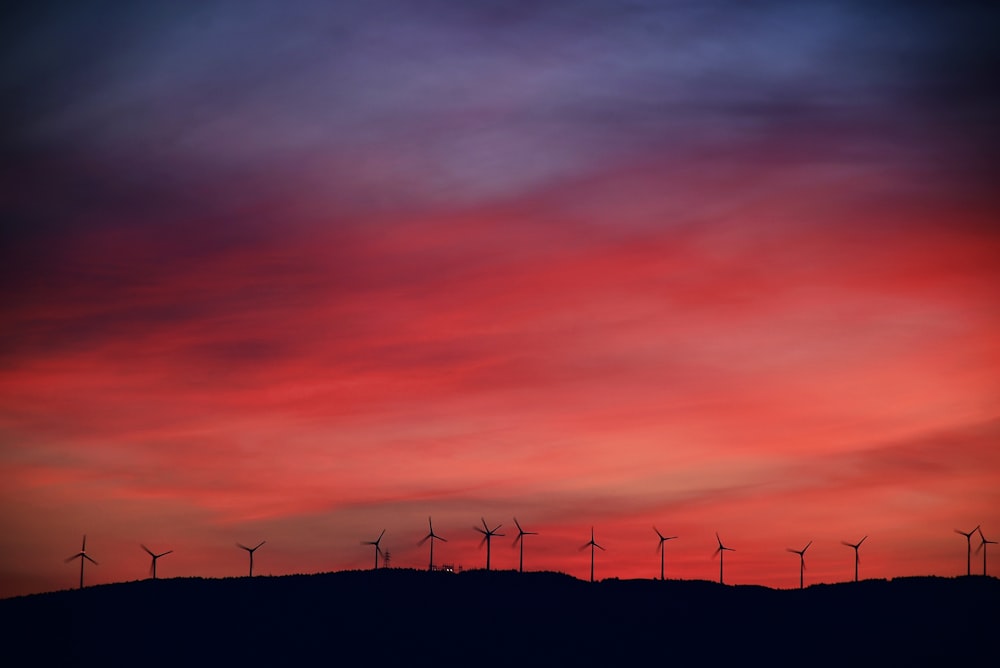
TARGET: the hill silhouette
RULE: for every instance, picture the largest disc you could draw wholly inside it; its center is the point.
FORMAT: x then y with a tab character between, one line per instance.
478	618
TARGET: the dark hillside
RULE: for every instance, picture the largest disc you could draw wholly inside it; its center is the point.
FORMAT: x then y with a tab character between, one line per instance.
481	618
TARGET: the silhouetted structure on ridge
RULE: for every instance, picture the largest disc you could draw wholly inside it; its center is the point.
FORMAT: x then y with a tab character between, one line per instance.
659	547
982	546
519	539
487	536
857	558
251	550
721	552
592	544
968	555
431	536
378	550
152	566
82	555
802	561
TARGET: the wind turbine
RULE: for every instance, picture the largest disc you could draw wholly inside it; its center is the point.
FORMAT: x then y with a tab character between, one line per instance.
432	537
982	546
659	547
721	551
378	550
251	550
802	561
82	555
520	534
857	559
968	555
592	544
487	535
152	566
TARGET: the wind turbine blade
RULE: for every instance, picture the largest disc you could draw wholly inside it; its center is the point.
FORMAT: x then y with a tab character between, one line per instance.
861	541
83	546
88	558
165	553
483	540
148	551
599	547
242	546
516	524
260	543
807	546
75	556
441	539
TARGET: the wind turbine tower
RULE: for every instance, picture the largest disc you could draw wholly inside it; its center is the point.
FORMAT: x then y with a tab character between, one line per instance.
802	561
152	566
857	559
431	536
378	550
592	544
521	533
721	552
982	546
82	556
968	553
251	550
659	547
487	536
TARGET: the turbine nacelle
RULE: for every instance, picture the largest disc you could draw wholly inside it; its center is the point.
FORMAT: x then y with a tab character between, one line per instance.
521	532
722	548
663	539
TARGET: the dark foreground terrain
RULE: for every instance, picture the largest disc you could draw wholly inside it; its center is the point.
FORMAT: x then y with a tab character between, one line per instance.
479	618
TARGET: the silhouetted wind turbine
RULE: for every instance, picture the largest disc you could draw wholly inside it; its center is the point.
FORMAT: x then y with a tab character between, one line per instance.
82	555
802	561
982	546
520	534
251	550
721	551
591	544
378	550
659	547
432	537
487	536
968	541
152	566
857	558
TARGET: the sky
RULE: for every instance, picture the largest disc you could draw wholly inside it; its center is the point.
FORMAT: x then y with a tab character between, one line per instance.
304	273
